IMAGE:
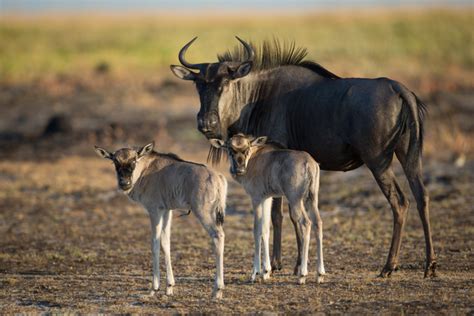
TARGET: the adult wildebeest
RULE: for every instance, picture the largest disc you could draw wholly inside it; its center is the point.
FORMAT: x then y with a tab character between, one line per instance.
164	182
342	122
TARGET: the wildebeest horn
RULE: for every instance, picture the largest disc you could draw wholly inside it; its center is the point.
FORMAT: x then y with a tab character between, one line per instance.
182	52
248	48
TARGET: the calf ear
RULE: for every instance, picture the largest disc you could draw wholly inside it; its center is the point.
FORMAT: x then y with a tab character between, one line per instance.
145	150
103	153
259	141
217	143
241	71
183	73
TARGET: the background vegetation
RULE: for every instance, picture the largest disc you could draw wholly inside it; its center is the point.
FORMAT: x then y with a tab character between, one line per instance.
431	45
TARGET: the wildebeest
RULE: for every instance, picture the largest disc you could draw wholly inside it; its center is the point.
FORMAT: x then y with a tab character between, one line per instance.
266	170
164	182
342	122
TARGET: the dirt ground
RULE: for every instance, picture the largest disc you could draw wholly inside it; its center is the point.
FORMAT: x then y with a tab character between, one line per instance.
70	242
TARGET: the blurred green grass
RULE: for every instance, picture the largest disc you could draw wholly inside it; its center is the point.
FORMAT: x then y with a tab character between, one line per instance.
379	42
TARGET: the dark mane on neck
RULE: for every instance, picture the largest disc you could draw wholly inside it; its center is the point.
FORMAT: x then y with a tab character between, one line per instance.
274	144
173	157
273	54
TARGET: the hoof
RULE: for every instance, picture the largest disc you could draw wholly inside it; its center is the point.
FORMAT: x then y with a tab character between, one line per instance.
253	278
217	294
430	269
266	275
387	271
276	266
320	279
302	280
296	270
152	292
169	290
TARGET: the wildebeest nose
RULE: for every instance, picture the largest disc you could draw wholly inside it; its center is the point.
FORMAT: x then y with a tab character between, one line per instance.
124	182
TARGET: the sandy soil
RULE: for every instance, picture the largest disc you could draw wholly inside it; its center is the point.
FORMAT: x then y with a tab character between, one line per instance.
69	241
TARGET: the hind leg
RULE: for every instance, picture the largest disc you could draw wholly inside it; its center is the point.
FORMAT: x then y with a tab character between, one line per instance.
312	208
277	220
392	191
216	232
299	241
298	213
422	201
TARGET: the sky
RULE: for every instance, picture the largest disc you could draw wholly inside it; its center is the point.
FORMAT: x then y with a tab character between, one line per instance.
33	6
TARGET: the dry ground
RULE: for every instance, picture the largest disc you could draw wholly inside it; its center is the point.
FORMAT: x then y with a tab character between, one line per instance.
69	241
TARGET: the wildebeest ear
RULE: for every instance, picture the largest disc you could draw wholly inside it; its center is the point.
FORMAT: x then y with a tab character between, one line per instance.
241	71
183	73
217	143
259	141
102	152
146	149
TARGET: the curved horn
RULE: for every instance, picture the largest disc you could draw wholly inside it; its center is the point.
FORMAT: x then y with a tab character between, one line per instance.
248	49
182	52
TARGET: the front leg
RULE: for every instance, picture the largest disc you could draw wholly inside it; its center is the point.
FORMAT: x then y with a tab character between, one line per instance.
156	218
257	235
267	268
165	245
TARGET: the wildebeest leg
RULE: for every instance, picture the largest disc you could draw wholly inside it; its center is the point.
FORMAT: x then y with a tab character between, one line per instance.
267	268
299	241
156	218
277	219
300	215
216	232
311	205
257	235
218	238
422	200
392	191
165	246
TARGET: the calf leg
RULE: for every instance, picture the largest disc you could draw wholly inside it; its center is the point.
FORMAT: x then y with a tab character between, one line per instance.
216	232
257	235
392	191
266	213
312	207
277	219
165	245
156	218
299	242
304	225
218	238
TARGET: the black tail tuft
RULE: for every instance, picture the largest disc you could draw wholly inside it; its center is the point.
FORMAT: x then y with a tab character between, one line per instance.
220	217
422	112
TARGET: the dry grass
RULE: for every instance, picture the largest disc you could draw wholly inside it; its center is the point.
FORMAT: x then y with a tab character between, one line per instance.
86	249
426	45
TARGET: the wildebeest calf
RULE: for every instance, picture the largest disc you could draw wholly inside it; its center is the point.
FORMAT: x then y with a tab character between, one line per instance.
266	170
164	182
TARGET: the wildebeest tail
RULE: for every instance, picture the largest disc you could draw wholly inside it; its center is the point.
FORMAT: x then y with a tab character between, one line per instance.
416	113
221	200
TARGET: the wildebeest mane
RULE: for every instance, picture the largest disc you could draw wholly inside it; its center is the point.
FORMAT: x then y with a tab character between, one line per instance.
174	157
272	54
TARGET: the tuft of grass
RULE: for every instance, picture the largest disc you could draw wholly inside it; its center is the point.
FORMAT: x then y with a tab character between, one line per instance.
365	43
